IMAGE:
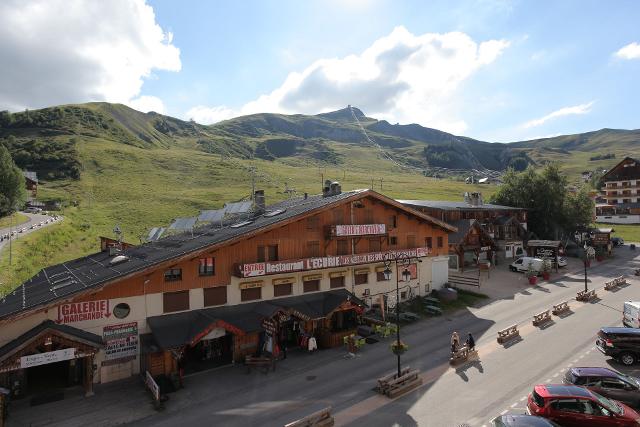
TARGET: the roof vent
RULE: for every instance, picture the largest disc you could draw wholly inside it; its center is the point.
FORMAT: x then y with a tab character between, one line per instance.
326	190
119	259
241	224
274	213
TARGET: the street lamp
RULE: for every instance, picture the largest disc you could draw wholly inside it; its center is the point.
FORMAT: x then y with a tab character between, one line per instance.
588	252
406	275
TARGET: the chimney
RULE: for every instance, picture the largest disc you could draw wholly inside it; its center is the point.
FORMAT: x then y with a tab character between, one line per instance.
475	199
335	188
326	190
258	198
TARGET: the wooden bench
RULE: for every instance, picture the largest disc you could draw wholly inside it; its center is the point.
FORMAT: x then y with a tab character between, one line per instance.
407	316
508	334
610	285
383	383
431	301
540	318
558	309
404	383
461	355
434	311
259	362
321	418
586	296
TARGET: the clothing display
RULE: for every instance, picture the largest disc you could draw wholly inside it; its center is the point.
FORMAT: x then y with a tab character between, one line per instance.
312	344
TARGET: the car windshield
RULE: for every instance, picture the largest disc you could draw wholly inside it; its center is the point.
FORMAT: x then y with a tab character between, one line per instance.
629	379
609	404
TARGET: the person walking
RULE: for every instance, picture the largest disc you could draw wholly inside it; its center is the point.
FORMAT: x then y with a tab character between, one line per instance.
455	341
471	343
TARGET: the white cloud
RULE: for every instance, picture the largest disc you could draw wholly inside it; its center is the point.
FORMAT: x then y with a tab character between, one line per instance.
68	51
630	51
401	77
566	111
207	115
147	103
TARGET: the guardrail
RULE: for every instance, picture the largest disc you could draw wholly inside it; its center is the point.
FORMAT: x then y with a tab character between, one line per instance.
586	296
541	318
508	334
392	385
321	418
561	308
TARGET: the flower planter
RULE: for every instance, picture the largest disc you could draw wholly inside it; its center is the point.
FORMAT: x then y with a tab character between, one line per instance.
600	258
546	275
533	280
399	349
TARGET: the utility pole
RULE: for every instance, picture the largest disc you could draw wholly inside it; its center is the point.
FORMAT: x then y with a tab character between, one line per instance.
381	179
252	170
10	236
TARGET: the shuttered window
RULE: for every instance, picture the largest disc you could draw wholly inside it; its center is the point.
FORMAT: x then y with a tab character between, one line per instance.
173	274
250	294
337	282
207	266
380	276
272	254
175	301
282	289
311	285
260	256
361	279
215	296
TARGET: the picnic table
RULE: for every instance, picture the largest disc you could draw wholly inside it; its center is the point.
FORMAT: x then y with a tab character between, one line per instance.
434	311
408	316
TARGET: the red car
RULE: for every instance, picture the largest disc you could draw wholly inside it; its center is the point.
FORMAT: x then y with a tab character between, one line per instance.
573	406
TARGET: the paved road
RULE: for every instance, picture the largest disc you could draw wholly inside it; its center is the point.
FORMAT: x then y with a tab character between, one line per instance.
472	394
33	219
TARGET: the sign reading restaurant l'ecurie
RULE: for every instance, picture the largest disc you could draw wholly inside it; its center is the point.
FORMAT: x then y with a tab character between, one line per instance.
276	267
360	229
80	311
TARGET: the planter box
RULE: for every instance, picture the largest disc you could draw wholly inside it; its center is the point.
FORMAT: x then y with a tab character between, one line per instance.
533	280
546	275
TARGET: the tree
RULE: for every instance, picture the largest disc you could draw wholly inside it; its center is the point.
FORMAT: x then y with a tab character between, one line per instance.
551	207
12	186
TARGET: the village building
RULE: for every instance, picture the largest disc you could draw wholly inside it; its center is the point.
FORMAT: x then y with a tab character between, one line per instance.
484	229
622	194
31	183
301	271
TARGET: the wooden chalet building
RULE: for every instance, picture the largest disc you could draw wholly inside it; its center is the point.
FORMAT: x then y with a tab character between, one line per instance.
31	183
299	271
483	228
622	194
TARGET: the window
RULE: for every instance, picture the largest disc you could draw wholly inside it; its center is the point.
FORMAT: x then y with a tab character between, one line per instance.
311	285
428	241
343	247
393	221
411	241
337	282
175	301
374	244
403	295
313	223
207	266
393	240
261	254
361	278
215	296
173	274
250	294
380	276
313	248
272	254
282	289
121	310
612	383
567	405
440	241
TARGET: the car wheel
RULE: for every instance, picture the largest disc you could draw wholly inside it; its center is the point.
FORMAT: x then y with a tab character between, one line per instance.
627	359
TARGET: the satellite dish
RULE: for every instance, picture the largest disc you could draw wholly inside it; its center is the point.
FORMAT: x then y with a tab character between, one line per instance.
117	230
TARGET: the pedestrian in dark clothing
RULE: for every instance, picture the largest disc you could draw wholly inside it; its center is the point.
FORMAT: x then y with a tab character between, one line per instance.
283	348
471	343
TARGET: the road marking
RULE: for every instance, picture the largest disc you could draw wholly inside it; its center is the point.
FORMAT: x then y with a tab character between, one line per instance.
580	357
504	412
574	361
523	398
555	376
548	380
514	405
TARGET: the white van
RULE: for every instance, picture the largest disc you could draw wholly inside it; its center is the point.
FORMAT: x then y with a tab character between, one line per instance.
631	314
522	264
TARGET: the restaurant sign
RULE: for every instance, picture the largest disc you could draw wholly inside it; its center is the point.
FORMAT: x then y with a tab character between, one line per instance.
277	267
46	358
120	342
360	229
81	311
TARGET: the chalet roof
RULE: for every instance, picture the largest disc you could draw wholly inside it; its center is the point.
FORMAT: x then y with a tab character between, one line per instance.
176	330
63	281
544	243
453	206
463	226
32	176
84	336
617	173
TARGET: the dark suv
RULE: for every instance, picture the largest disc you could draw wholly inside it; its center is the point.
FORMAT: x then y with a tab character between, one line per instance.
622	344
607	383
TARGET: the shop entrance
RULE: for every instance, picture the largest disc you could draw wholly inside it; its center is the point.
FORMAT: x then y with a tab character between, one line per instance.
54	376
208	354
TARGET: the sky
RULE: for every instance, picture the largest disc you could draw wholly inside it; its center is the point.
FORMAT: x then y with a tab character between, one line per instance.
493	70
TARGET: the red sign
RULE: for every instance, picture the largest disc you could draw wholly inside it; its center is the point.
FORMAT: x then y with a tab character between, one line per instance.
81	311
276	267
360	229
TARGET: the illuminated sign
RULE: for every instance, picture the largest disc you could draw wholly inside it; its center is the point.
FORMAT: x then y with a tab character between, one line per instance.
359	229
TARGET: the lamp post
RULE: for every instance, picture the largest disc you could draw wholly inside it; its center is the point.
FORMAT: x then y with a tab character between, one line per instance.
406	275
588	251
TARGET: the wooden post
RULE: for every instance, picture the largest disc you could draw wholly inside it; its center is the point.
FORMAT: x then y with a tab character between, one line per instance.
88	376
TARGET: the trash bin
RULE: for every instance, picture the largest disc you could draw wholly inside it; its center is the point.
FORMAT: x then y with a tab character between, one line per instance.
632	247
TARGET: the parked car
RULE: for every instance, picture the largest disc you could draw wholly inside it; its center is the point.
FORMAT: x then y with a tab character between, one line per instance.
631	314
573	406
562	262
607	383
521	421
522	264
617	241
33	210
622	344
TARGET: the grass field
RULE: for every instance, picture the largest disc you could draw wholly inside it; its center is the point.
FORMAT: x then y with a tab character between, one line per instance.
141	188
630	233
13	220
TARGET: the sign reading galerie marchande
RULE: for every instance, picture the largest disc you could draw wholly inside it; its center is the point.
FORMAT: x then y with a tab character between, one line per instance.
81	311
277	267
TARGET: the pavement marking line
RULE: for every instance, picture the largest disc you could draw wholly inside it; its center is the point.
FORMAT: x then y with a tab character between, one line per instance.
504	412
522	399
514	405
548	380
372	403
555	376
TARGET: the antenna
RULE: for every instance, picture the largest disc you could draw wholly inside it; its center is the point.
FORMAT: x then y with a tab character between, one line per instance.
118	232
252	171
